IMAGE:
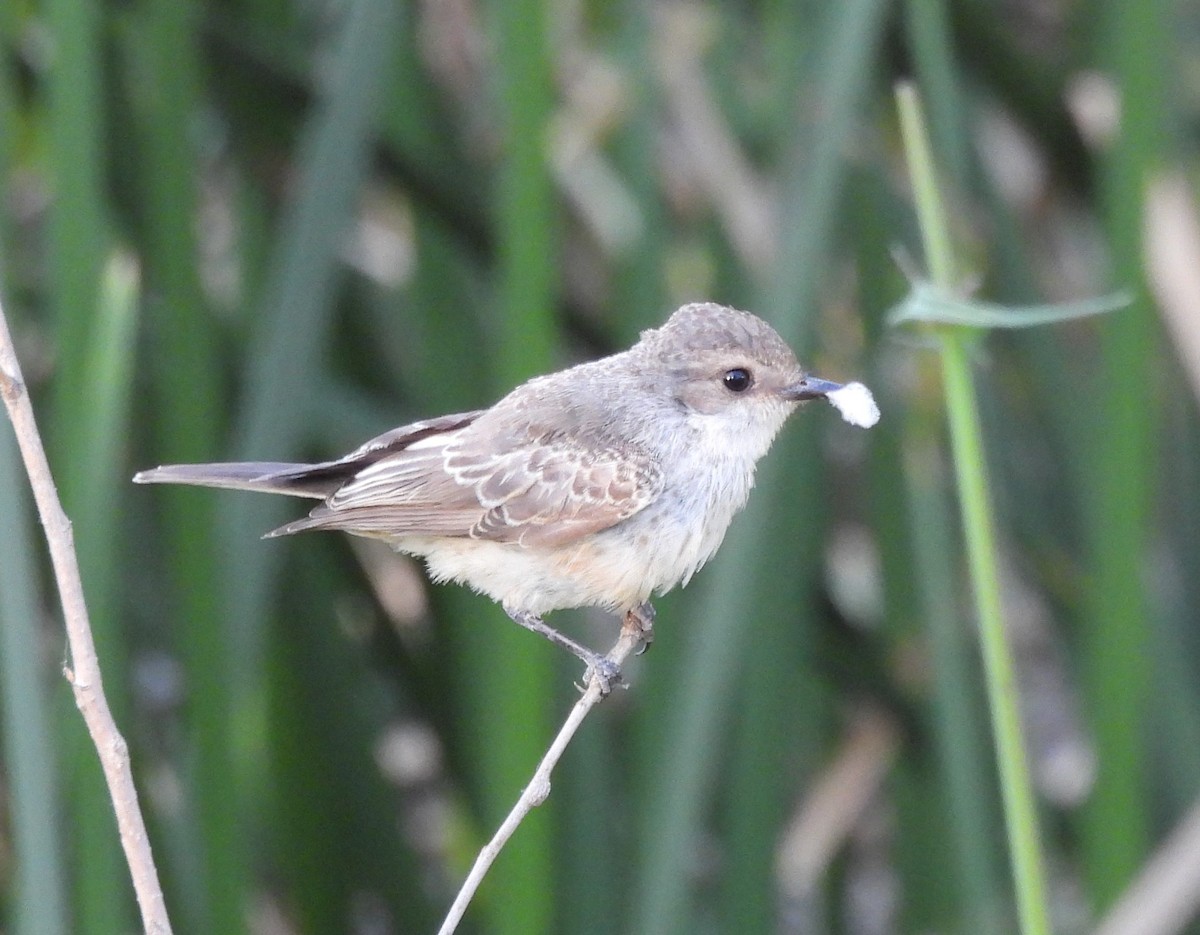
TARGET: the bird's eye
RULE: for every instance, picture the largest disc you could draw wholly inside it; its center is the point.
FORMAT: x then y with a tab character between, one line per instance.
737	380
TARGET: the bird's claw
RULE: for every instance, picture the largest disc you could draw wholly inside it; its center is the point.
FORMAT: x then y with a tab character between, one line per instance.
641	620
606	672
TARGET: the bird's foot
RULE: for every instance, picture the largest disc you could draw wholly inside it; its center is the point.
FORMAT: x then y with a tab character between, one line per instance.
606	672
641	621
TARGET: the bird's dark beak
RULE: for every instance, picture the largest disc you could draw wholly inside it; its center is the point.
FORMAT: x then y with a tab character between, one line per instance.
809	388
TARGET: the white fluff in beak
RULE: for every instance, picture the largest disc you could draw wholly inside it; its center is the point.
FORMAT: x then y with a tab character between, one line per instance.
856	404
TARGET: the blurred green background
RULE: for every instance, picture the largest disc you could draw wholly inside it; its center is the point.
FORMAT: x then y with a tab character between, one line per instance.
268	230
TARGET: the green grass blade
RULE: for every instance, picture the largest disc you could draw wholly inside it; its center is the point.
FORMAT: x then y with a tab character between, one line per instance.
526	225
10	128
1136	44
510	676
928	28
330	719
162	74
95	471
639	279
296	308
78	224
77	239
91	477
780	716
962	747
39	902
681	778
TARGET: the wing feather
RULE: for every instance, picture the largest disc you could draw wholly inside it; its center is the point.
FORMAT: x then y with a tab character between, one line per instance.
535	490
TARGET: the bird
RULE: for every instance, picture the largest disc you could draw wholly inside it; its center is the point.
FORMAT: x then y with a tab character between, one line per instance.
600	485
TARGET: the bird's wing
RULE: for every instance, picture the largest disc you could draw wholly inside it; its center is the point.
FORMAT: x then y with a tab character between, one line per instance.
397	440
555	491
305	480
536	491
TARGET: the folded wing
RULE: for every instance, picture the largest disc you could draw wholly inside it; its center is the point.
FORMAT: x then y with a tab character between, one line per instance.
535	491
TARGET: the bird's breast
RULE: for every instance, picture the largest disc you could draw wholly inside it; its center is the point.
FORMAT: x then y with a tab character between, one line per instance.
649	553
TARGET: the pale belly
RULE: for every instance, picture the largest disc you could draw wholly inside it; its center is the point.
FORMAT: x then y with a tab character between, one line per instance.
618	568
615	572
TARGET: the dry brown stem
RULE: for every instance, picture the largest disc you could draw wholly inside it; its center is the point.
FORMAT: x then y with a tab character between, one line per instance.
84	670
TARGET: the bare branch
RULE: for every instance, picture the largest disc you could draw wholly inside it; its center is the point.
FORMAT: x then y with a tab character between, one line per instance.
1164	898
84	670
538	789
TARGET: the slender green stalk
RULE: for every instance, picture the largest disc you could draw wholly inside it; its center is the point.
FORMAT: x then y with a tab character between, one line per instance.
1020	814
931	211
966	439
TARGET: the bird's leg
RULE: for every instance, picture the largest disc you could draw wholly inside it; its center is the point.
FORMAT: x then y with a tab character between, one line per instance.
607	671
641	620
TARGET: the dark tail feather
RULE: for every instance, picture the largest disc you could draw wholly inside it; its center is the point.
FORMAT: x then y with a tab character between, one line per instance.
297	480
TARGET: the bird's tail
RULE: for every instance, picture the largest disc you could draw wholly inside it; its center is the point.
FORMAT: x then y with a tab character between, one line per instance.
296	480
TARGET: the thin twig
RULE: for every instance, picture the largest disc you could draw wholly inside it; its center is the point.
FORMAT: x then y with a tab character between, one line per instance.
1165	896
538	789
84	670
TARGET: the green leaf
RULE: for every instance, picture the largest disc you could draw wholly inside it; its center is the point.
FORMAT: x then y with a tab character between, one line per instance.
929	304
